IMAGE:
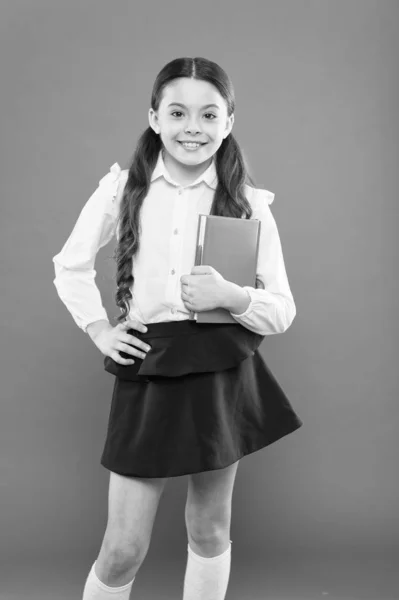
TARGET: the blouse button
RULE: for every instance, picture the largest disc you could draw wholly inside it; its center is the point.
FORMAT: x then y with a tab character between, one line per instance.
173	271
173	310
176	231
180	191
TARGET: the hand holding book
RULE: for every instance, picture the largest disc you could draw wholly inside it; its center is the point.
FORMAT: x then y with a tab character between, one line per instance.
204	289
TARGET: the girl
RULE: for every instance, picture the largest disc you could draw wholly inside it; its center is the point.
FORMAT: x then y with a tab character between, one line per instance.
188	399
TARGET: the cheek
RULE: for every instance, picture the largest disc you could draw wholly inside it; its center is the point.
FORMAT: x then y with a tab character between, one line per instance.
172	128
219	131
173	135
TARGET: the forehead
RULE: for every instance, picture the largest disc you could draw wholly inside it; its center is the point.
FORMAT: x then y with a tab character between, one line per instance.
193	93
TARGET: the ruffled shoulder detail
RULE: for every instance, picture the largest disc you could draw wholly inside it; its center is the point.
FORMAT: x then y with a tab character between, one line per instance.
112	179
258	196
265	195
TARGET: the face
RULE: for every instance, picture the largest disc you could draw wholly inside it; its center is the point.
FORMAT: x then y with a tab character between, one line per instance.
184	115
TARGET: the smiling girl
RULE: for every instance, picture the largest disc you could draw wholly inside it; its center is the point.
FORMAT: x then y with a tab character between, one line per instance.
189	398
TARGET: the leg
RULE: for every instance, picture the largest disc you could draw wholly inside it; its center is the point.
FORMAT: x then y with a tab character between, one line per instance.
208	517
208	510
132	507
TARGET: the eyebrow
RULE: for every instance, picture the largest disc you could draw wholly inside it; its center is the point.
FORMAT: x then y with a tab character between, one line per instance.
183	106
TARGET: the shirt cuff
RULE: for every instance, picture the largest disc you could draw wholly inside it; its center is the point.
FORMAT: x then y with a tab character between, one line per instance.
84	324
249	307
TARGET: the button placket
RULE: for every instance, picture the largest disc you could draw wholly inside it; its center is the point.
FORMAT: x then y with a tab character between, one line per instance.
179	216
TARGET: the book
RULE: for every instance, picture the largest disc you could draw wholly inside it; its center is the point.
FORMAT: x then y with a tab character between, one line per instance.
231	246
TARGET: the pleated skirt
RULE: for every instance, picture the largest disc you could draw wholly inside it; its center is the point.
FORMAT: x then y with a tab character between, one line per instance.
201	399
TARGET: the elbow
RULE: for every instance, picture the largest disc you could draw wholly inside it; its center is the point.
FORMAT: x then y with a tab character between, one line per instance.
278	317
285	316
289	314
57	269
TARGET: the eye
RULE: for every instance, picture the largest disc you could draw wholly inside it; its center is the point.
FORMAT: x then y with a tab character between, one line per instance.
178	111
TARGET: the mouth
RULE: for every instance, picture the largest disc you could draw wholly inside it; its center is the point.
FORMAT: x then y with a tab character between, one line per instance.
192	144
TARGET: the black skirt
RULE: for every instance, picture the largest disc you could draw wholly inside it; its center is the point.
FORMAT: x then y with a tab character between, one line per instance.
200	400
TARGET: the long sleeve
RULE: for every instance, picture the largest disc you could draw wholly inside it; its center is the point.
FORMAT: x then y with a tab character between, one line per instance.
272	308
74	264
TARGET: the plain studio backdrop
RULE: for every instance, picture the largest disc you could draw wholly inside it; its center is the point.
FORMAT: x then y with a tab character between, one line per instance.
316	82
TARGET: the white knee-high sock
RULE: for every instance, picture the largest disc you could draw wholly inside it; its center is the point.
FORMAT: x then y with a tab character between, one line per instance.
207	578
97	590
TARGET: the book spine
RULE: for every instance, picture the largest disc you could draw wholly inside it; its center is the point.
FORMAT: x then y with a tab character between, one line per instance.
198	253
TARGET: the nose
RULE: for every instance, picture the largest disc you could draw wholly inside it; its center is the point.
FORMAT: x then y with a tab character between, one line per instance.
192	127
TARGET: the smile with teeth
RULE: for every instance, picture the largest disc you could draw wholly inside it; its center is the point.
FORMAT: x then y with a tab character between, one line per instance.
190	144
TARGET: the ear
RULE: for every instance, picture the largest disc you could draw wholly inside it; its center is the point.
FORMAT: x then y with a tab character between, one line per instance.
229	125
153	120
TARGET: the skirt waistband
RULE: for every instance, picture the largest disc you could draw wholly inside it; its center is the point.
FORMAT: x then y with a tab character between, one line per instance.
177	328
183	347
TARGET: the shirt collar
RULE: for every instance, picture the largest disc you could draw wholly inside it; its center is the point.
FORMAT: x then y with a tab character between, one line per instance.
209	176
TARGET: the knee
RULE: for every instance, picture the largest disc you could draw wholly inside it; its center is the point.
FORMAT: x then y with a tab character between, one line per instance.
122	556
117	565
202	527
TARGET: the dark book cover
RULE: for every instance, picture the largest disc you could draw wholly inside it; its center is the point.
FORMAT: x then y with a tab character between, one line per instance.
229	245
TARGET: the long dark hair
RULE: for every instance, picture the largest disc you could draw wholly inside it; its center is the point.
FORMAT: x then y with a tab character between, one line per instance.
229	199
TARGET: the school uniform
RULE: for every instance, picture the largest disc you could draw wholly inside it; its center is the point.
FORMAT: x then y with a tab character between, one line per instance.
203	397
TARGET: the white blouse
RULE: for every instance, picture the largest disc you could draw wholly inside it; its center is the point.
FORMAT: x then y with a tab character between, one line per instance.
169	217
